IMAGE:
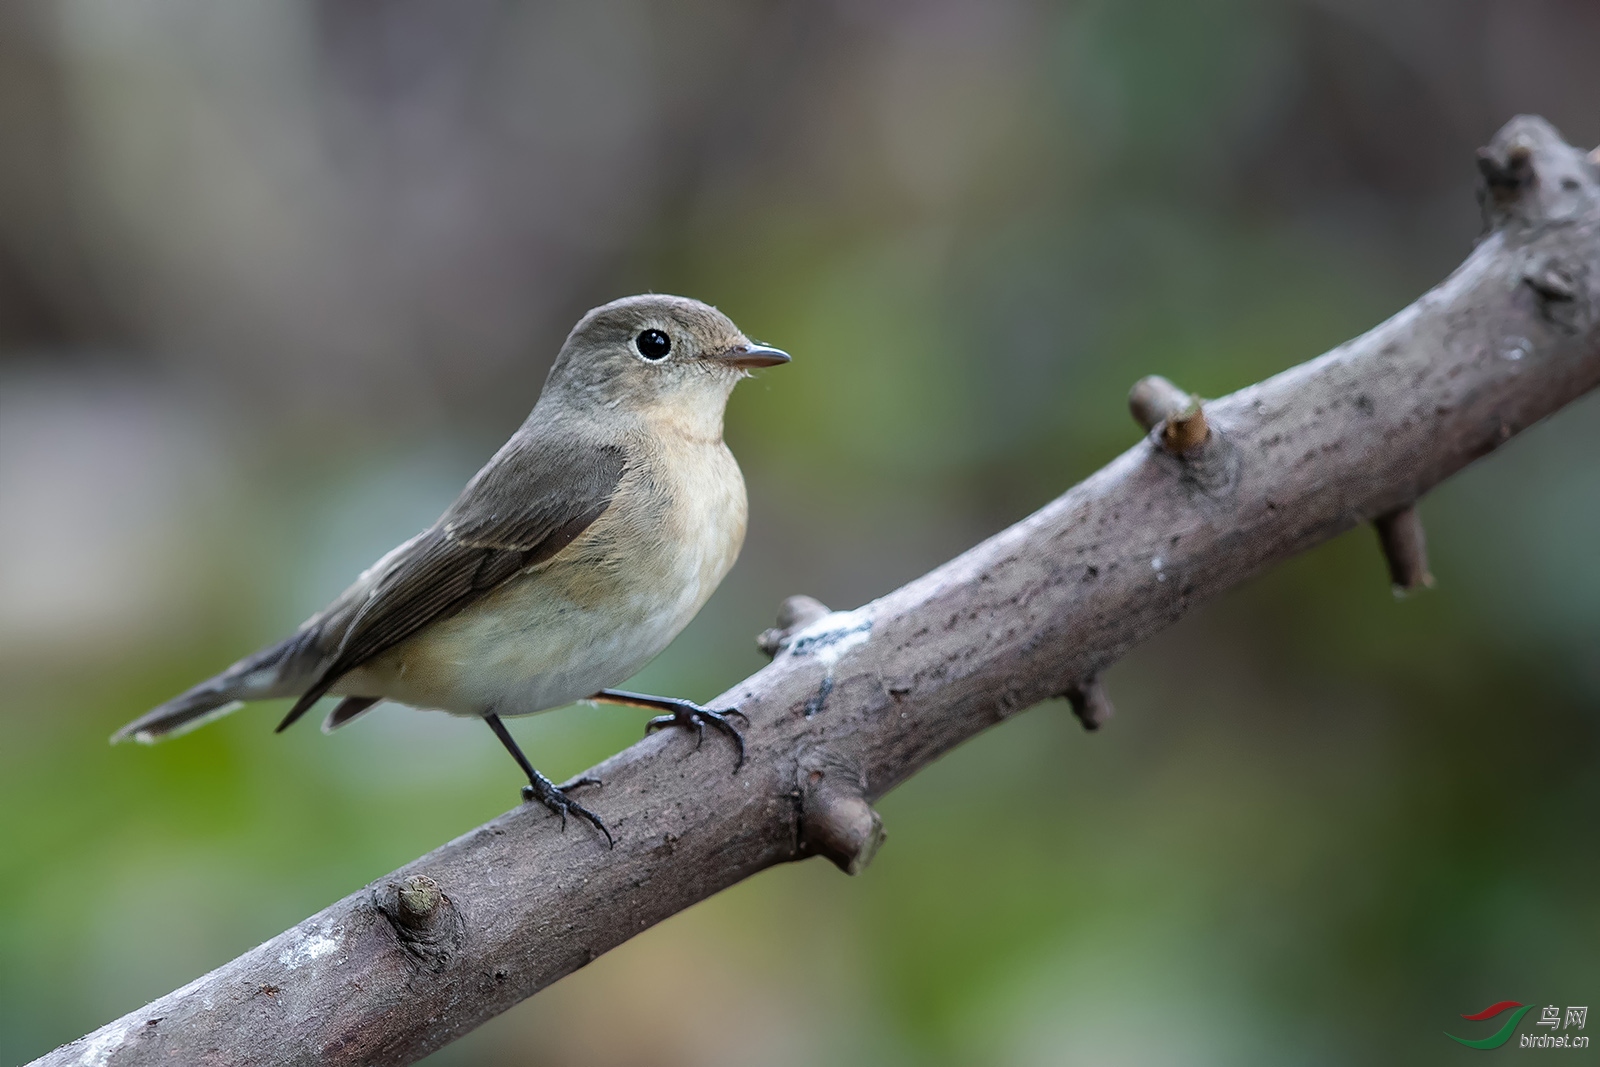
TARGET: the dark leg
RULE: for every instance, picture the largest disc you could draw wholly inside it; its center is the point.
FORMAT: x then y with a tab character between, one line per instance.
543	789
680	713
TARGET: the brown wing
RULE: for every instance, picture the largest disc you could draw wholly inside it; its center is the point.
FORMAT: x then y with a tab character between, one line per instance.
526	506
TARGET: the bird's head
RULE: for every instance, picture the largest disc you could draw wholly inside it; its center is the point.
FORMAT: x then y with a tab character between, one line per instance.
656	356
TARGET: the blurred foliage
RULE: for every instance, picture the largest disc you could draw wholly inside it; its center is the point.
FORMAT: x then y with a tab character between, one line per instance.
275	279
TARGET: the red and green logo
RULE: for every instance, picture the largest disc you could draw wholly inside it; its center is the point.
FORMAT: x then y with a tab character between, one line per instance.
1500	1036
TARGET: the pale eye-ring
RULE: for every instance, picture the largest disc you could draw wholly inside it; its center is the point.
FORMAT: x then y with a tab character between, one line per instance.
653	345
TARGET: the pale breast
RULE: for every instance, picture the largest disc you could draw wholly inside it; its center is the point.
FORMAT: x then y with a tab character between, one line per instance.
595	613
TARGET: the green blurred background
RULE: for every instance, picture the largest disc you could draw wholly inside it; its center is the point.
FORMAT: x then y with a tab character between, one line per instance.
276	278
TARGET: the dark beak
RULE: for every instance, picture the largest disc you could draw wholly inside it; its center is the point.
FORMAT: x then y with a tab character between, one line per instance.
752	356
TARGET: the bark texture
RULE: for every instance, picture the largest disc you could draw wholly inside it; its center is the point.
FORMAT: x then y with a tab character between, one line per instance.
855	702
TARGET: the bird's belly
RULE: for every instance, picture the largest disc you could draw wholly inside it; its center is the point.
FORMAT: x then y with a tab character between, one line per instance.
526	649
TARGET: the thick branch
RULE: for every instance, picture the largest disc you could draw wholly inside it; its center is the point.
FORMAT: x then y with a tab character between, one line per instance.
855	702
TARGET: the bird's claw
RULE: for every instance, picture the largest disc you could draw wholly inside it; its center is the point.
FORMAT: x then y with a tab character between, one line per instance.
689	714
554	797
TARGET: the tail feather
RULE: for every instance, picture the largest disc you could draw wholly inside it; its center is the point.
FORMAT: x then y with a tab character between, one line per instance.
273	672
178	716
348	710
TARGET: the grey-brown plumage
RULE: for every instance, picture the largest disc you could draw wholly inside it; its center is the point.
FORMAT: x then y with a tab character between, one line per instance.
582	548
513	516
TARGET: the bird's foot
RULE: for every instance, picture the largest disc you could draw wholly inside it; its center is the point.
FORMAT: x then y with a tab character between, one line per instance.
681	713
688	713
555	798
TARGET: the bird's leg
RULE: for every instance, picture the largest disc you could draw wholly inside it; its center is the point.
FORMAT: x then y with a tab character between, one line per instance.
543	789
680	713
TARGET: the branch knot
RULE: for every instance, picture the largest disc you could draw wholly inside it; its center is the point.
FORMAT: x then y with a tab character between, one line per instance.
427	923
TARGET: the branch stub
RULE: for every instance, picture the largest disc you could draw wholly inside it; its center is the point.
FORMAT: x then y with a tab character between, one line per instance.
836	819
1530	176
1155	401
1090	703
794	615
1405	547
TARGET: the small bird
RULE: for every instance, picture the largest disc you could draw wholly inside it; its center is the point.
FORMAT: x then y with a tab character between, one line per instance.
575	556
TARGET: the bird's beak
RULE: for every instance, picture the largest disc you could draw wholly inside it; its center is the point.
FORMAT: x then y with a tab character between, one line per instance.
751	356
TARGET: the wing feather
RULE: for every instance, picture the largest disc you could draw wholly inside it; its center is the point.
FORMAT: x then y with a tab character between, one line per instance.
517	513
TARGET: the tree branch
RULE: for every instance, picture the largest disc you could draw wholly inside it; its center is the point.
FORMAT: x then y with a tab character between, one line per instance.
855	702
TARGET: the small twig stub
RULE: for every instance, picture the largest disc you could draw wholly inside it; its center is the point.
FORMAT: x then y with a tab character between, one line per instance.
1405	547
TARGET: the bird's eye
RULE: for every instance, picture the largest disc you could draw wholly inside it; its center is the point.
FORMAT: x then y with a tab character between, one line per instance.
653	345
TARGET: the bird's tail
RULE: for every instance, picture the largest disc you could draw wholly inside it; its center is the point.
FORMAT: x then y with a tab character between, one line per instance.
278	671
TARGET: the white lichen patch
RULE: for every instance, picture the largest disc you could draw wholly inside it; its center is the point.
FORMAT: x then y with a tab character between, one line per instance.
99	1046
831	636
312	944
826	641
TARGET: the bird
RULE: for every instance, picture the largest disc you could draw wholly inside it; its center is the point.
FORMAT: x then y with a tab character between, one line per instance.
574	557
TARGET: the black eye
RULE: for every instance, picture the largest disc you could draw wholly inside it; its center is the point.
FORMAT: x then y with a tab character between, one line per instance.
653	344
